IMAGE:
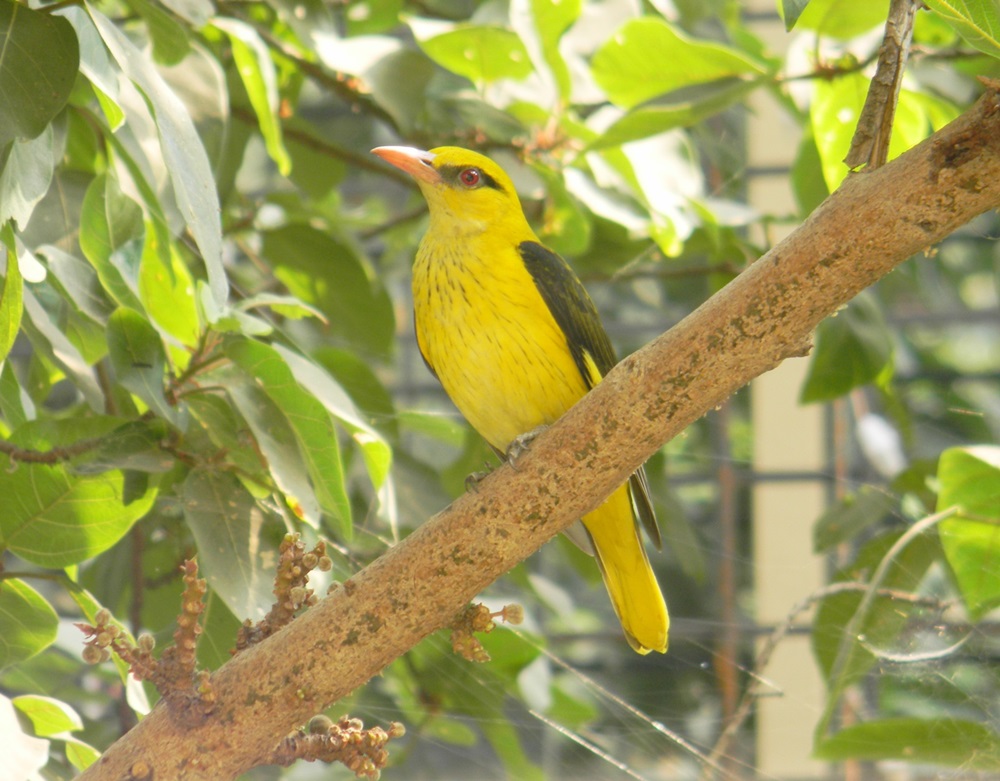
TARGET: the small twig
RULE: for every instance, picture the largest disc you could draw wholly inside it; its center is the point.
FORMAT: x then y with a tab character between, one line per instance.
870	145
479	618
347	741
290	591
52	456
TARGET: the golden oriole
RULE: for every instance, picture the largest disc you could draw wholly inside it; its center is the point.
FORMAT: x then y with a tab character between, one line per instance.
510	332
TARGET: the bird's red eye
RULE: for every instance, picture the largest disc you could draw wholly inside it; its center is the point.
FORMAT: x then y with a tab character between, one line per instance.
470	177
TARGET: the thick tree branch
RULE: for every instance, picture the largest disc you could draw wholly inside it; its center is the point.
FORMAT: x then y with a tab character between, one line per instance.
874	222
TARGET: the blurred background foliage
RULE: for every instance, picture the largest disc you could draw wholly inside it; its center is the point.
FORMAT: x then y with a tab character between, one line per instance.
207	343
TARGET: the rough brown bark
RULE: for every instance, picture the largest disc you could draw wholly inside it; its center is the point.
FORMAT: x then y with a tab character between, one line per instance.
874	222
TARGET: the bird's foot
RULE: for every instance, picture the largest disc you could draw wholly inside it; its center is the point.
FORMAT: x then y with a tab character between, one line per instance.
519	445
472	481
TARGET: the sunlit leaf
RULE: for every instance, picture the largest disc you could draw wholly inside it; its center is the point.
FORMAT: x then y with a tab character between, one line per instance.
977	21
111	237
842	18
27	622
25	755
481	53
11	294
197	12
970	479
187	164
375	450
309	421
541	24
227	525
169	38
277	441
659	116
791	10
39	58
26	176
167	291
62	519
648	57
48	715
139	361
49	339
256	68
81	755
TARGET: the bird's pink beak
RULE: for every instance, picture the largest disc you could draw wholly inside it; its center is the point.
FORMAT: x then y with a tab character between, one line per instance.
416	162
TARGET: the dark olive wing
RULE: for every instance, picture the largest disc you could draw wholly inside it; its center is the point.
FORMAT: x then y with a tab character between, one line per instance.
571	307
577	317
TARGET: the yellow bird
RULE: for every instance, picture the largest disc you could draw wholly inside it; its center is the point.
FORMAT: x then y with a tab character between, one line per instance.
510	332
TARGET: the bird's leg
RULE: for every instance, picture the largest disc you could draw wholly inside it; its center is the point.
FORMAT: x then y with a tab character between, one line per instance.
472	480
519	445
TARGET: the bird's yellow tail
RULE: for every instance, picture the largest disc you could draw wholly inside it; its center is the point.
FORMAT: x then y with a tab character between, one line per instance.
628	577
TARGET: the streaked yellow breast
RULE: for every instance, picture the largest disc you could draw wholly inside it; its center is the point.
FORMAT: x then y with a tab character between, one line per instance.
490	338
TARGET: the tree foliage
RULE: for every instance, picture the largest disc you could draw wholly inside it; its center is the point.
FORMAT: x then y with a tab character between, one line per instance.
203	320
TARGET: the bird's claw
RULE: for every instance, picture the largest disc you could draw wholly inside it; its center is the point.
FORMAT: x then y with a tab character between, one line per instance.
519	445
472	480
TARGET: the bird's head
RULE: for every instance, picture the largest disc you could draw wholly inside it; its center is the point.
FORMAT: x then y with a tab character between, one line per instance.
465	191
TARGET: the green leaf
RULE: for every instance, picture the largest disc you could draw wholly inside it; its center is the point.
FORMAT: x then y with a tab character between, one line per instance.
11	295
48	716
27	622
61	519
15	405
287	306
166	291
135	446
790	11
78	282
375	450
137	356
277	441
671	112
329	274
648	57
169	38
197	12
111	237
26	176
49	340
970	479
977	21
836	108
506	742
946	742
227	432
853	514
842	18
852	348
541	24
227	525
186	161
845	657
807	176
309	420
256	69
39	57
81	755
480	53
24	755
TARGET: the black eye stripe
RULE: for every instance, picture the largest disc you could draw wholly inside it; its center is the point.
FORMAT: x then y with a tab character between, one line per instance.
451	173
